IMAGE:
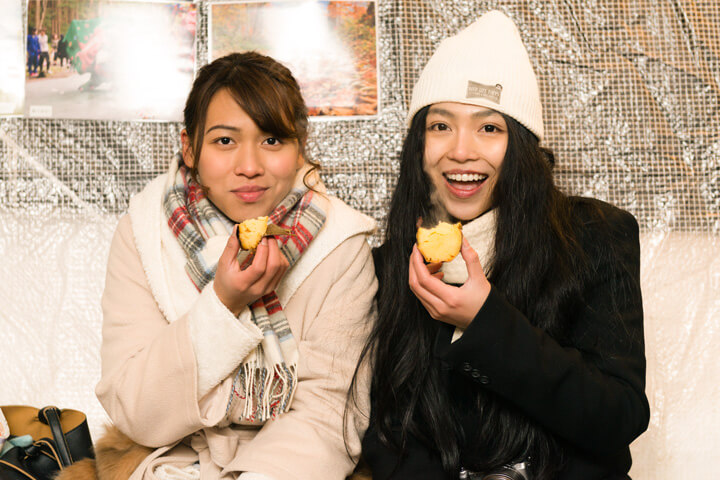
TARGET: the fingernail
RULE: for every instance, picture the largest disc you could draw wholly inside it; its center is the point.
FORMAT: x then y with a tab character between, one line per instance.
263	241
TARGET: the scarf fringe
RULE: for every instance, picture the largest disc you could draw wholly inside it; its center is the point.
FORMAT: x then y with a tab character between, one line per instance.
265	395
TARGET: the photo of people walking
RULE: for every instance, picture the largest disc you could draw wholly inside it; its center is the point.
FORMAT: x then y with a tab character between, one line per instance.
109	60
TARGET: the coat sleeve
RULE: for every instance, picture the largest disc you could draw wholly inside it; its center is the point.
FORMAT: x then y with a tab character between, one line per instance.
150	374
330	342
591	391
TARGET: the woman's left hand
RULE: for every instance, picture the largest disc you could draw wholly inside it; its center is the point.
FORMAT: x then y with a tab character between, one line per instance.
447	303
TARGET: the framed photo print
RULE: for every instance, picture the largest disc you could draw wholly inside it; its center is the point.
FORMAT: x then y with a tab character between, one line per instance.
330	46
13	58
111	60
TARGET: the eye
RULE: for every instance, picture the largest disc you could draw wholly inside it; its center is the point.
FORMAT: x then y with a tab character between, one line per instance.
224	140
272	141
490	128
439	126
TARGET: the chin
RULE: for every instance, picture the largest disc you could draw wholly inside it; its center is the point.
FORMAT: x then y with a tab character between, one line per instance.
467	216
462	214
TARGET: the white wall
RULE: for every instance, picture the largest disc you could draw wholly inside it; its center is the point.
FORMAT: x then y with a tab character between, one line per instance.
53	271
681	297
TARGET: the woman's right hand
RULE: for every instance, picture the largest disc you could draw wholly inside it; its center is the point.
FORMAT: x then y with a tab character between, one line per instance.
237	288
457	306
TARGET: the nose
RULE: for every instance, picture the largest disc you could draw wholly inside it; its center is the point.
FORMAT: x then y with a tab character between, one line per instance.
248	162
464	146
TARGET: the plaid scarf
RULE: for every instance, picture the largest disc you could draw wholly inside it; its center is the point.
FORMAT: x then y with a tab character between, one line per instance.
265	382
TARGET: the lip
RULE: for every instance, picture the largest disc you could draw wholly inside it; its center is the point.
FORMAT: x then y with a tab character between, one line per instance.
249	193
463	193
455	171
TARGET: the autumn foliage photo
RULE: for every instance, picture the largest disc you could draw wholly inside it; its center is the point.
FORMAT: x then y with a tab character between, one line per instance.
330	46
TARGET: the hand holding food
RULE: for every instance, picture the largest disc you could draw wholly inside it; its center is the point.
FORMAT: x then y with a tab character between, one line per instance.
451	304
238	285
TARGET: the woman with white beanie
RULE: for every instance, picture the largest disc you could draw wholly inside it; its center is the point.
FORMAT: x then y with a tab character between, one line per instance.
524	355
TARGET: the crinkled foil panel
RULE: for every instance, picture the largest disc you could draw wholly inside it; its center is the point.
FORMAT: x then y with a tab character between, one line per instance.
631	96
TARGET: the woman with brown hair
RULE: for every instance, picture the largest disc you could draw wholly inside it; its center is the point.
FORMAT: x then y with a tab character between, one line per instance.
228	362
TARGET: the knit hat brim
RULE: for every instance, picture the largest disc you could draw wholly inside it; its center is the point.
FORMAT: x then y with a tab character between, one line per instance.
487	65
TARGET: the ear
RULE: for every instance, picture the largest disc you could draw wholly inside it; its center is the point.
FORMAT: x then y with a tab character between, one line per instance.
187	149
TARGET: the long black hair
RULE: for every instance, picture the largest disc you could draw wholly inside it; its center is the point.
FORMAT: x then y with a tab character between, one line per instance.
538	266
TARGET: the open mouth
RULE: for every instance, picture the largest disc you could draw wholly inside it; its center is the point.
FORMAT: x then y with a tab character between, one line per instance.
464	184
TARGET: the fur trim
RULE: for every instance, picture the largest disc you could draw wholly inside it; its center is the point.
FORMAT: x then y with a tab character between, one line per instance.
85	469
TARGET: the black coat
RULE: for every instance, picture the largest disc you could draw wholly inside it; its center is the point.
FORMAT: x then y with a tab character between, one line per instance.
588	393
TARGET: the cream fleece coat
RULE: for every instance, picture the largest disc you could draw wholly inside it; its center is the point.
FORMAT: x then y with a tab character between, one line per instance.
168	352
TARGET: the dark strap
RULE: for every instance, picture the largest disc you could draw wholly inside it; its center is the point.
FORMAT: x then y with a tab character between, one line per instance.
51	416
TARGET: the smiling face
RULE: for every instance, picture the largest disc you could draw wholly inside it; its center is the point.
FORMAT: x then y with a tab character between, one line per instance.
245	171
464	149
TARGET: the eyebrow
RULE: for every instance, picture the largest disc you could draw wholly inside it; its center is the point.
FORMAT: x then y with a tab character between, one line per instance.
448	113
222	127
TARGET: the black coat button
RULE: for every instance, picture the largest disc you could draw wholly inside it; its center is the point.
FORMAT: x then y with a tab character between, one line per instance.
466	367
484	379
475	374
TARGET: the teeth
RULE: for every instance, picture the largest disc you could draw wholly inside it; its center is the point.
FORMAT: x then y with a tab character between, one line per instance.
465	177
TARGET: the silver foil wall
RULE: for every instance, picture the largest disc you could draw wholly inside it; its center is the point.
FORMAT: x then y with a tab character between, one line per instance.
631	96
630	92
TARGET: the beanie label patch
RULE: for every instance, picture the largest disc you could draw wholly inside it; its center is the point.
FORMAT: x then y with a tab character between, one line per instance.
478	90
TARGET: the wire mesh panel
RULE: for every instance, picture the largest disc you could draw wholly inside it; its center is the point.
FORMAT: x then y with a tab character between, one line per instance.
629	89
630	93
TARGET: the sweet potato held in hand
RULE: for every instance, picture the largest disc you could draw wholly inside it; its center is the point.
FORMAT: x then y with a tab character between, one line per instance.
251	231
441	243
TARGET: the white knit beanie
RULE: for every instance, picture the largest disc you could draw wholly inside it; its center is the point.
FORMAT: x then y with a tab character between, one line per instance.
486	64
